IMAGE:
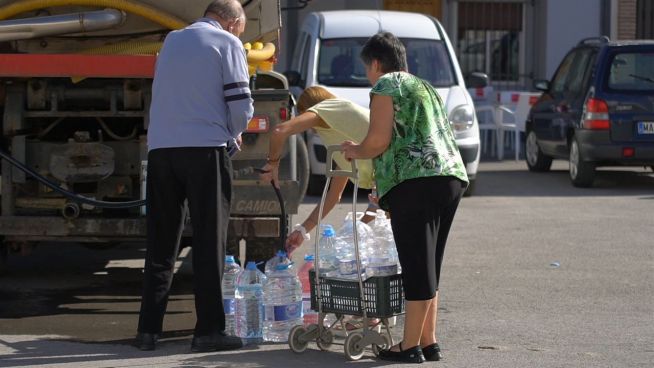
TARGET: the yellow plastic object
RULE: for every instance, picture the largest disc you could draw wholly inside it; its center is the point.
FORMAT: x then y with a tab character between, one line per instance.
266	52
145	11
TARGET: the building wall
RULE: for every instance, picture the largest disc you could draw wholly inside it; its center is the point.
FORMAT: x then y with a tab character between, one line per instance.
626	19
568	22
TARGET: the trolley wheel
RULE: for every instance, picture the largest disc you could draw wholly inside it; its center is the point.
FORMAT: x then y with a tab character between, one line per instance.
387	345
294	341
325	340
353	347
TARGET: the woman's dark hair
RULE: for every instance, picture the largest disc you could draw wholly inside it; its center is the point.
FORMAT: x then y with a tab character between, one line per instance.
388	50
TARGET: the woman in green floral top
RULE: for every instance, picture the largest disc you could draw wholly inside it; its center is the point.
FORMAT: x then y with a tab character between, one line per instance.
420	180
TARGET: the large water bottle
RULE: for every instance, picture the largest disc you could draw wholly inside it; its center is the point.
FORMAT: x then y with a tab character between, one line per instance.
327	261
279	258
345	245
282	299
249	304
230	274
385	260
310	316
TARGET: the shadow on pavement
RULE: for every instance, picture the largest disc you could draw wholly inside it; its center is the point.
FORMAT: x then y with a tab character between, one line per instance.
172	351
556	183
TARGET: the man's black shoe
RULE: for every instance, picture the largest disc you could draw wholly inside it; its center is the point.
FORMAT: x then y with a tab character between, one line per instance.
146	341
215	342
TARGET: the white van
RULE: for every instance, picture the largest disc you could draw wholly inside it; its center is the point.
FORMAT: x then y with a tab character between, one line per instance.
327	54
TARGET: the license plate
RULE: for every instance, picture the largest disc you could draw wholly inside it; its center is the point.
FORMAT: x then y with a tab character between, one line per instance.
646	127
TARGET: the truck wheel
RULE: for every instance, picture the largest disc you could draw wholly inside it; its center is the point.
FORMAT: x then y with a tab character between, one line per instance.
4	256
582	173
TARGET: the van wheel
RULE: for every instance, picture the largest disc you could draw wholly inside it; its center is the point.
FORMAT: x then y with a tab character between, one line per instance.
471	188
316	184
537	161
582	173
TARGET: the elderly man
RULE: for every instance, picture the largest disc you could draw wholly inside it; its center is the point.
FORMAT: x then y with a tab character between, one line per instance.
200	105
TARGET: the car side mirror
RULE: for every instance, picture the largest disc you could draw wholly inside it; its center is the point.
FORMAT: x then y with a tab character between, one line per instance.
477	80
542	85
293	78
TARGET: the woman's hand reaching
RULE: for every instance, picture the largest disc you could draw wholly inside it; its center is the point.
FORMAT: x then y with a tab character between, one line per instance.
293	241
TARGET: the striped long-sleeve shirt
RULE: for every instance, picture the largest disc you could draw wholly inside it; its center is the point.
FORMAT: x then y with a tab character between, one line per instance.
200	93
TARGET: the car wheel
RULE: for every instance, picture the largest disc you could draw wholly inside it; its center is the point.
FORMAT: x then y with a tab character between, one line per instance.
582	173
536	159
470	189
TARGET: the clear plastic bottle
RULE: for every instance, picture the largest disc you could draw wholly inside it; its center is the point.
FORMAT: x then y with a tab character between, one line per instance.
309	316
282	300
327	261
280	258
230	274
249	304
345	245
385	260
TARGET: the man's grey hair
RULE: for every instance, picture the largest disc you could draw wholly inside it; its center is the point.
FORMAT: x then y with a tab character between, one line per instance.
226	9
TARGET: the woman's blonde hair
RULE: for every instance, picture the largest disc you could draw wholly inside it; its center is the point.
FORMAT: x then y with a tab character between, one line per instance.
312	96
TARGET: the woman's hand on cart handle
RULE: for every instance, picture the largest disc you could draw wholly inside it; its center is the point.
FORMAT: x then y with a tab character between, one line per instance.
350	150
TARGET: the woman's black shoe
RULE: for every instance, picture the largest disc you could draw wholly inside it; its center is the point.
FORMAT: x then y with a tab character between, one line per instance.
432	352
411	355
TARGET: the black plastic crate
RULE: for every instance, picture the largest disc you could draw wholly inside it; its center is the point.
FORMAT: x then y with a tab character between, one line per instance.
383	294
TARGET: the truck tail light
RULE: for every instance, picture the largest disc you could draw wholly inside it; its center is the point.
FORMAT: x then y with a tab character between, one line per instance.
596	114
283	113
258	124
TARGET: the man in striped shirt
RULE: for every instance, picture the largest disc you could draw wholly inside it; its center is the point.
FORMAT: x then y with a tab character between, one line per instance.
200	105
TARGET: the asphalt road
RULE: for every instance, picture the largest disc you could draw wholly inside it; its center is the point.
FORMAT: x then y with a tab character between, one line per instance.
536	274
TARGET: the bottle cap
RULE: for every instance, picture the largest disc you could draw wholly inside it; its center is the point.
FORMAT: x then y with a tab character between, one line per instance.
281	253
282	266
309	257
251	266
328	230
229	259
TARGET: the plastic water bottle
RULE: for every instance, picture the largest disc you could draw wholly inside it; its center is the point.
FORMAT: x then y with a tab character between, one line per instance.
345	241
327	261
232	270
386	254
249	304
282	299
310	316
279	258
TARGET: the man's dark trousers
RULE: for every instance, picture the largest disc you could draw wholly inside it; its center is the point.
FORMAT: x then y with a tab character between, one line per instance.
203	176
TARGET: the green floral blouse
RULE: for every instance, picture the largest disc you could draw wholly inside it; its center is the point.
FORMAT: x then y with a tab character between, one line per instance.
423	142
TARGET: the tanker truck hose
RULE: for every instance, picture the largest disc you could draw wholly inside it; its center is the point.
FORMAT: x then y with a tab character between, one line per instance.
70	195
148	12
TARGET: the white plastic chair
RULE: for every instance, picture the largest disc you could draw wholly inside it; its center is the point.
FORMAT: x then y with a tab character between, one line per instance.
501	112
493	127
486	118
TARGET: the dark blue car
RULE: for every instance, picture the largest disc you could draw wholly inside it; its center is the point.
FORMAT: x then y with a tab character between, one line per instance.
598	110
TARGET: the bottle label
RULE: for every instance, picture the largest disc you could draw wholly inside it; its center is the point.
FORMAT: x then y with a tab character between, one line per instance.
284	312
229	306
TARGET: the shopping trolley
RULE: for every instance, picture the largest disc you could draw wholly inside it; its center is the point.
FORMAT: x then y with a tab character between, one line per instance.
375	297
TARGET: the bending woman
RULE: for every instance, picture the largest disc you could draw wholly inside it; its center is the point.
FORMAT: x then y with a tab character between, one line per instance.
335	120
420	180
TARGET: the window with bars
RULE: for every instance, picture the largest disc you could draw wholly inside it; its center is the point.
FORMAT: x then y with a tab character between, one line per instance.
489	38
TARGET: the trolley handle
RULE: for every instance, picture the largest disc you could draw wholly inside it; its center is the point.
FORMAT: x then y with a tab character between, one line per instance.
330	172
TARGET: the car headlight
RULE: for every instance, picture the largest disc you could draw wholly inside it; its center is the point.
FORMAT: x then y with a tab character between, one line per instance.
462	118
